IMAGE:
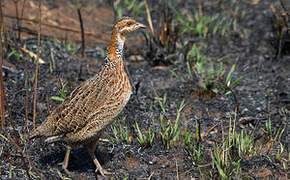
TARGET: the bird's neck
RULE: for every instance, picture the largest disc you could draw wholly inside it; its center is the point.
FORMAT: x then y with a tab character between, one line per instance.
115	49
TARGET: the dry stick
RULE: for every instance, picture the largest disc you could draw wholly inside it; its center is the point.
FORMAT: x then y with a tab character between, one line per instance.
17	19
159	14
98	37
283	26
20	20
3	29
31	54
4	101
205	133
82	32
36	67
230	132
284	7
26	99
149	18
61	27
9	112
23	155
1	78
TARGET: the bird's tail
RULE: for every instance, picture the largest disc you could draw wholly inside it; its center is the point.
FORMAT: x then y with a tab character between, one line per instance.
44	130
35	133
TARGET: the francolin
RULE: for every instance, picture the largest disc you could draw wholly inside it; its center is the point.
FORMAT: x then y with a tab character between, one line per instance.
91	107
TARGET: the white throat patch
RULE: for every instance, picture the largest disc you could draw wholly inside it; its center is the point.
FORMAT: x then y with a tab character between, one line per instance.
119	45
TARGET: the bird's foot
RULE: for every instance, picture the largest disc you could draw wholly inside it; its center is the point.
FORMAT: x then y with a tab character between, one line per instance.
65	168
103	172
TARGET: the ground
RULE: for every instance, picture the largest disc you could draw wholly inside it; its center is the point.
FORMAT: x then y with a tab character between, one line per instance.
258	105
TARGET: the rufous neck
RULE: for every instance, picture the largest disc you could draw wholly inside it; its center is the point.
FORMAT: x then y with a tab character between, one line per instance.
115	49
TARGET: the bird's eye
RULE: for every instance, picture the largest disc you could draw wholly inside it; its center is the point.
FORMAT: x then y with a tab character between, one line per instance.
129	23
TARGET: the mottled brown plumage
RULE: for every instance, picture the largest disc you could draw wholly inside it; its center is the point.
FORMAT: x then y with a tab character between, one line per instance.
92	106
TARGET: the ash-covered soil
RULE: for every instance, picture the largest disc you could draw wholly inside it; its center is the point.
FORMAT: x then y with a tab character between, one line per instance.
262	94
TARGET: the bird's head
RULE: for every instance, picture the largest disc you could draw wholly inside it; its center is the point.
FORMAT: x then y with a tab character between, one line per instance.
126	25
121	28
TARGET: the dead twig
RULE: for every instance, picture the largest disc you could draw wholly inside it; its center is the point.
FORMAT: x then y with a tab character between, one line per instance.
285	6
98	37
61	27
2	108
23	155
82	32
32	54
4	101
282	19
9	112
36	67
3	30
26	100
22	13
206	133
176	165
149	18
17	19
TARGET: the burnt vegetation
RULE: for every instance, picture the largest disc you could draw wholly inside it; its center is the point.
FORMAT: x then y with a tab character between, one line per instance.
211	97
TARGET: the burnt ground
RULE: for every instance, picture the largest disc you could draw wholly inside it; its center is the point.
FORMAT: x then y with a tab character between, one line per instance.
262	95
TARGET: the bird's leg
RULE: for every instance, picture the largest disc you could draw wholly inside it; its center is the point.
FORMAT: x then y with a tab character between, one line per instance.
66	159
91	149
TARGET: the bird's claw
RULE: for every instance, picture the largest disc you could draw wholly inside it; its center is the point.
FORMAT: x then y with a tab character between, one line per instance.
65	168
103	172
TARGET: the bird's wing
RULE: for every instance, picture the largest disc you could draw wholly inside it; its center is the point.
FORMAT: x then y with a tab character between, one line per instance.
90	96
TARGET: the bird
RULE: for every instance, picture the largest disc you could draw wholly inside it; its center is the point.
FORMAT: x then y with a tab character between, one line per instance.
82	117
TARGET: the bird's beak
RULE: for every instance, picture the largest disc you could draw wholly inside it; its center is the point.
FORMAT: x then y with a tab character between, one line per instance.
142	26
